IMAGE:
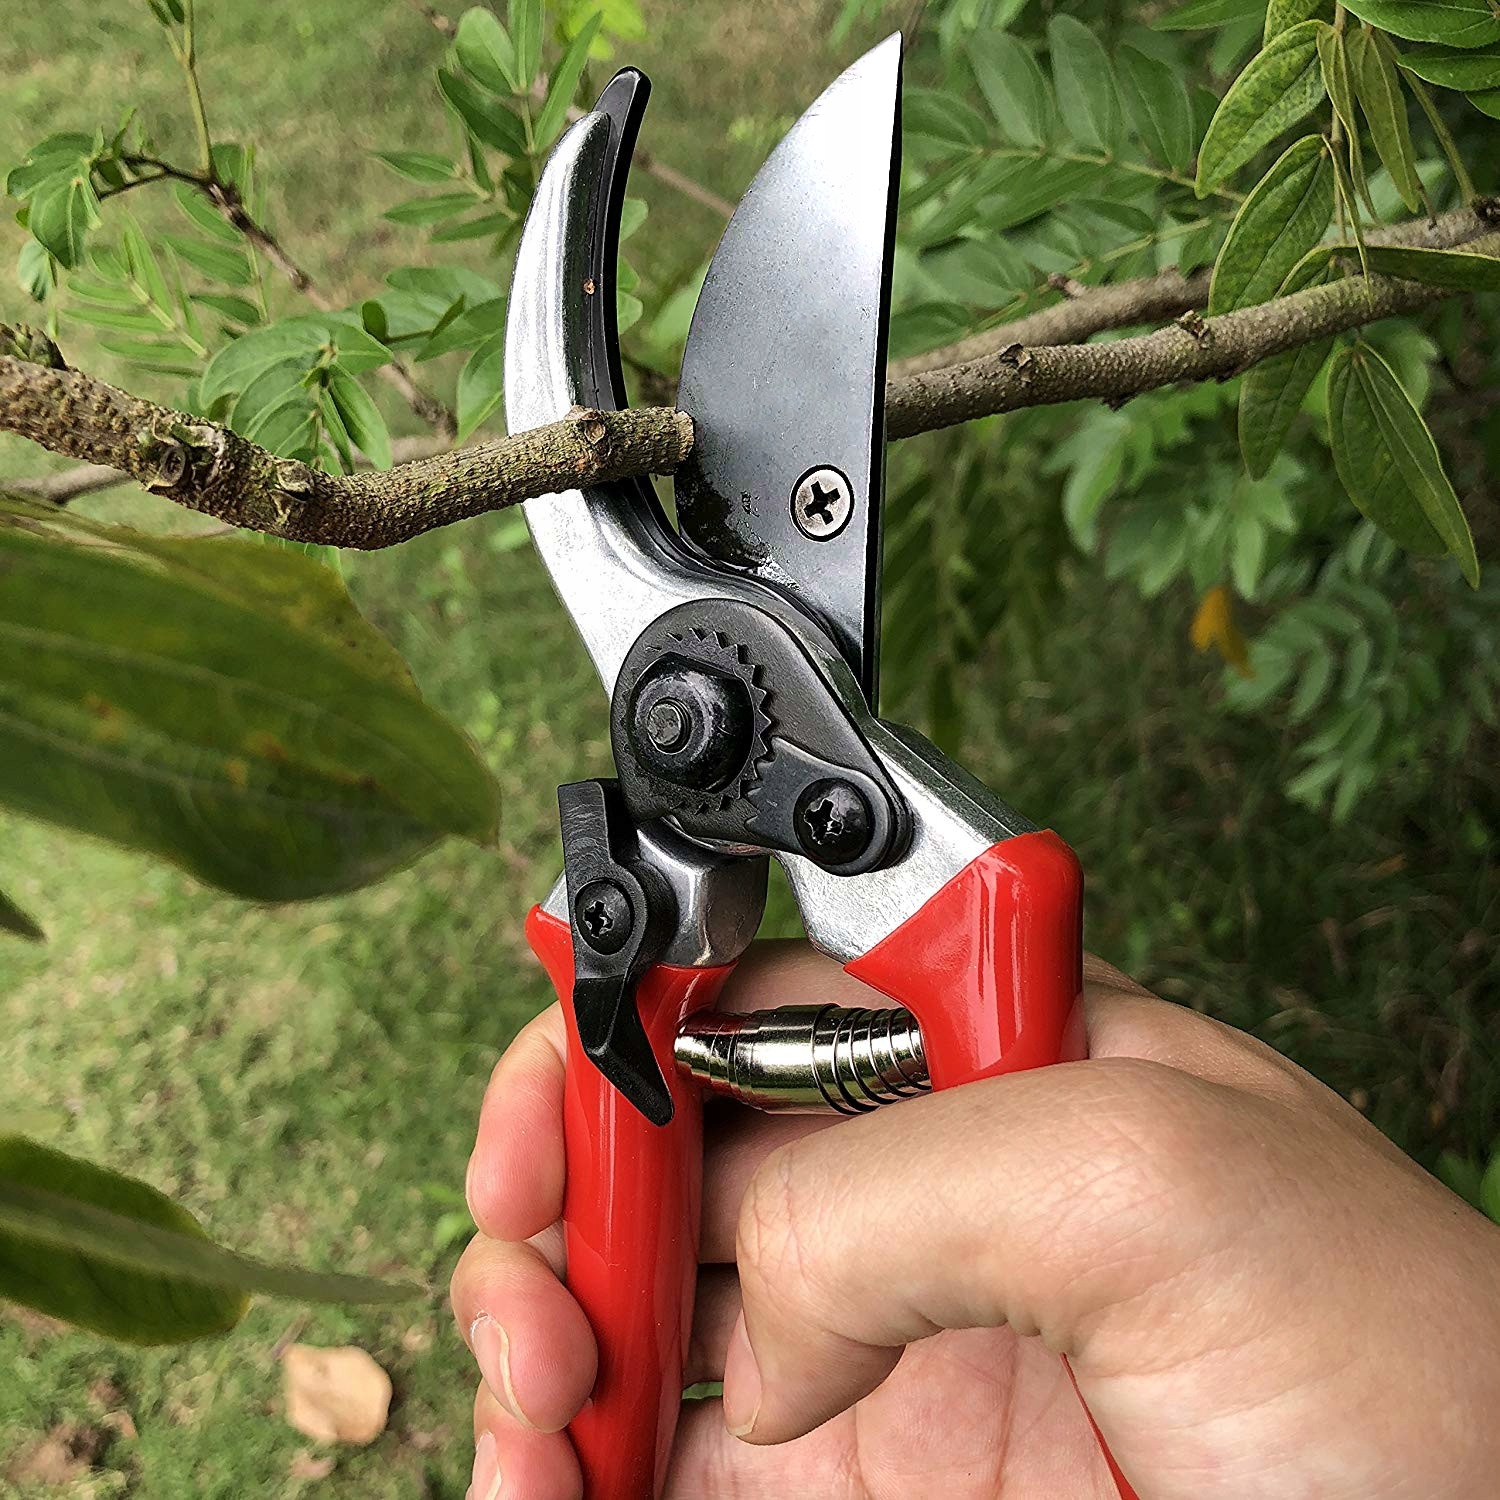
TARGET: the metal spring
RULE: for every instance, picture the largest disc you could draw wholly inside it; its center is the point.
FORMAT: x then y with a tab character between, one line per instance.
806	1059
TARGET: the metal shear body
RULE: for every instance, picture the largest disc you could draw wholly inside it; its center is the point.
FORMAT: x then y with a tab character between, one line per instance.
738	652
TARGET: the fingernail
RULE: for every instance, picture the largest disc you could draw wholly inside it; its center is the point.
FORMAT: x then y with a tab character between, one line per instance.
485	1484
491	1346
469	1183
741	1383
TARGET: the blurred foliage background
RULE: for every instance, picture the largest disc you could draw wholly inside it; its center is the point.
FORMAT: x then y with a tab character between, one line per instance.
1295	834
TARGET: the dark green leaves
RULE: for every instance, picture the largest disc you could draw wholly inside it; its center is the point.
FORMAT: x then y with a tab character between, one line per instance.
1086	93
113	1255
480	385
1157	102
1380	96
1199	15
64	208
1282	85
418	166
1014	87
563	85
1459	23
1456	68
1460	269
484	48
1277	225
1282	15
360	417
15	921
525	17
219	703
1272	392
487	118
1389	463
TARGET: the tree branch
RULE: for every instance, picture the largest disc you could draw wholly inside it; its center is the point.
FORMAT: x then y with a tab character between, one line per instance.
209	468
1194	348
1168	294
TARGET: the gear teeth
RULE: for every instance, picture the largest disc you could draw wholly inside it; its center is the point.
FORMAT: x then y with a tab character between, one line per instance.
715	648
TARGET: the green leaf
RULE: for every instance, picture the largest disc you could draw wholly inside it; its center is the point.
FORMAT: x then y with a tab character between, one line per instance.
1384	104
1086	91
67	152
628	310
1389	463
525	17
1199	15
1271	395
1156	100
133	319
433	209
15	921
36	271
475	229
168	12
487	119
1338	79
199	211
983	273
1462	270
467	329
1014	87
221	704
1487	102
360	416
112	1254
143	266
942	118
486	52
419	166
1460	23
480	384
64	209
1456	68
1489	1189
1282	15
1282	85
1282	219
217	262
1460	1175
236	309
564	84
633	212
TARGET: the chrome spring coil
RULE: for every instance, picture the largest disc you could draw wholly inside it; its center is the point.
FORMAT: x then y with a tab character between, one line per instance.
806	1059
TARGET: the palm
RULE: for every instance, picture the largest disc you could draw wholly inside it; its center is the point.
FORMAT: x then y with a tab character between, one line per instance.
971	1415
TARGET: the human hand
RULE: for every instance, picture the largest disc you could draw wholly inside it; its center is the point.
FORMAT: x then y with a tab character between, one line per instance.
1258	1294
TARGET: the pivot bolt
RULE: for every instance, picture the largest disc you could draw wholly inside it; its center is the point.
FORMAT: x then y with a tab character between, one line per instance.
822	503
603	916
668	726
833	822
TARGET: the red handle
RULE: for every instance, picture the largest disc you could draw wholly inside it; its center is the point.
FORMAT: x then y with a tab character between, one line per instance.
992	966
630	1215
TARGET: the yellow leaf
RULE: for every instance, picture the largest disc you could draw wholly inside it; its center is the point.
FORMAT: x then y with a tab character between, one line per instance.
1213	626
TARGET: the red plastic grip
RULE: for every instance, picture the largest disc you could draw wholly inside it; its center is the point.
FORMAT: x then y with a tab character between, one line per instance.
630	1216
992	966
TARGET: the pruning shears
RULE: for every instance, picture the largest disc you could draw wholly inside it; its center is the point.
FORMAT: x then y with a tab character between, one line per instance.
739	653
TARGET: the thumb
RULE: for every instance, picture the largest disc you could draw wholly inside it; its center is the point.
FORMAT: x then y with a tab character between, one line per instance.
1047	1201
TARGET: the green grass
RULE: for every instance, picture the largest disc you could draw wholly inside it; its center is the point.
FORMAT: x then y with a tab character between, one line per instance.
306	1078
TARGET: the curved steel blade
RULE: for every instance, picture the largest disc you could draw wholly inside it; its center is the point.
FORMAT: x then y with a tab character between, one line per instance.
784	370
